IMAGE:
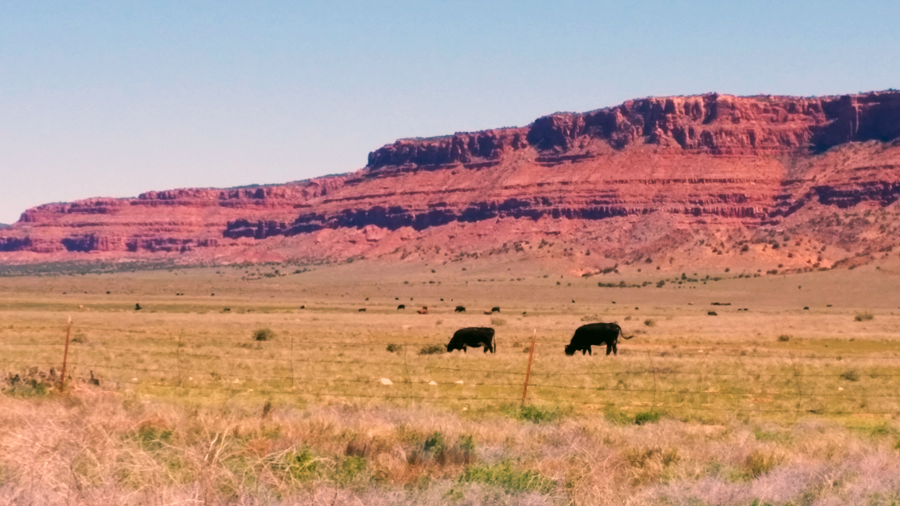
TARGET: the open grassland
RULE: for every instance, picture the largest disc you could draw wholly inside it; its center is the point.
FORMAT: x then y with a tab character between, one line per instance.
791	401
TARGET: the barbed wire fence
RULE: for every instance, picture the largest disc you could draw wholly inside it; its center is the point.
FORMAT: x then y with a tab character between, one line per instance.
642	377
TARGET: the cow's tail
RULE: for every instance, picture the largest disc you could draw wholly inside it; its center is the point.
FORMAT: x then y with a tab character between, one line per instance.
623	334
494	343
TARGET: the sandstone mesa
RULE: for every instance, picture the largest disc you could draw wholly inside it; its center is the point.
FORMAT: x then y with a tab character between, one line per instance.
711	179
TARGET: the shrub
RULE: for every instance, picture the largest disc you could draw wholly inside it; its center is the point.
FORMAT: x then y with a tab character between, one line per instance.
350	468
498	321
851	375
263	334
645	417
394	347
432	349
783	338
864	316
533	414
299	464
758	463
650	323
436	449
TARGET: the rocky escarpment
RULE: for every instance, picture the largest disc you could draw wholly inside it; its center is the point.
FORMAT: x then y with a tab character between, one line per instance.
678	167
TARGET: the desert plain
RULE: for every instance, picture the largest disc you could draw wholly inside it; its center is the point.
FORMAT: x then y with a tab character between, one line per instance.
788	394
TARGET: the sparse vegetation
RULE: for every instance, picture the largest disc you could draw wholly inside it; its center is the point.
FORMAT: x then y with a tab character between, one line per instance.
864	316
263	334
188	409
432	349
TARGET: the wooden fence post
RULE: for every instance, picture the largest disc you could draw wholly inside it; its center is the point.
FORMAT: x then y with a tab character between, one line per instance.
62	379
528	370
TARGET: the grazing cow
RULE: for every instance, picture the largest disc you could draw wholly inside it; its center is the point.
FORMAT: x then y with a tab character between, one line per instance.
488	312
473	337
596	334
424	310
362	310
460	309
712	313
401	306
495	309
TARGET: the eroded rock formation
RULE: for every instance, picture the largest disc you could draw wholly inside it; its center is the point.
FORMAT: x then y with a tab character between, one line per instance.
650	176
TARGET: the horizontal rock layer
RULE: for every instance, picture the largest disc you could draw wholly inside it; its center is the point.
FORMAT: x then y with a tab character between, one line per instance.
744	163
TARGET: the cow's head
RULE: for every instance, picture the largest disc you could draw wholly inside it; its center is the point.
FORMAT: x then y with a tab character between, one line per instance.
570	350
451	347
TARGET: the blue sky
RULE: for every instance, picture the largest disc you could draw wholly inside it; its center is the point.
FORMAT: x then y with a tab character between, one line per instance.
117	98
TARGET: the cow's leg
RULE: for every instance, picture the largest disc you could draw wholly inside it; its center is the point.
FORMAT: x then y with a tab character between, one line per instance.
608	348
615	348
590	351
464	349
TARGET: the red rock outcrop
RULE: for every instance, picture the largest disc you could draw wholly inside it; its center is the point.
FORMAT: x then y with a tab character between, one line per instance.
657	175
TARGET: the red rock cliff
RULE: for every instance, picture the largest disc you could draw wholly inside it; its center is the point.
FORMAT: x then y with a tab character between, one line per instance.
679	169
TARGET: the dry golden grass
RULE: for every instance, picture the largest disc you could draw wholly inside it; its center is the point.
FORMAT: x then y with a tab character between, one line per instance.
695	409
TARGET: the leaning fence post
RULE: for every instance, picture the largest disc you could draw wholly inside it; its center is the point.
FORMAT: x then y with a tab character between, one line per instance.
655	388
528	370
178	357
292	362
62	379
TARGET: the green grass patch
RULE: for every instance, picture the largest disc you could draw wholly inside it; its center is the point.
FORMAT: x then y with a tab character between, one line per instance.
534	414
645	417
509	477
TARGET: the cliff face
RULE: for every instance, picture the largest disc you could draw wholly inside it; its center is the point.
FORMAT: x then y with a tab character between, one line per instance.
650	176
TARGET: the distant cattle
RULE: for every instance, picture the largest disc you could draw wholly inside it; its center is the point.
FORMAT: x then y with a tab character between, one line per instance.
424	310
488	312
401	306
362	309
495	309
473	337
712	313
460	309
595	334
137	307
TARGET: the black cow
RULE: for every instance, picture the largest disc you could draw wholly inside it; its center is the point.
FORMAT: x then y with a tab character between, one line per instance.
460	309
401	306
495	309
474	337
596	334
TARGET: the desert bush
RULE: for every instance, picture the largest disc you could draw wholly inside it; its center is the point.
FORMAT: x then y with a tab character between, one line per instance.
498	322
864	316
645	417
650	323
299	464
432	349
263	334
534	414
759	463
851	375
783	338
394	347
349	469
